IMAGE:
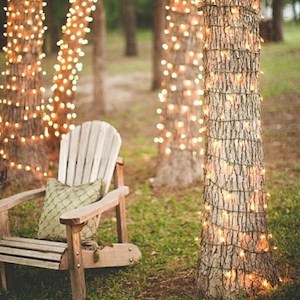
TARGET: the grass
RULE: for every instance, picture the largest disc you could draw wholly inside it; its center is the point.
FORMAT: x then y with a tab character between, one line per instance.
165	224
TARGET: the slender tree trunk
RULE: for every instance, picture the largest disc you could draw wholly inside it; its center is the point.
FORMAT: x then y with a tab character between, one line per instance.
61	106
51	22
158	27
99	56
277	20
129	25
295	15
235	255
22	125
2	22
179	161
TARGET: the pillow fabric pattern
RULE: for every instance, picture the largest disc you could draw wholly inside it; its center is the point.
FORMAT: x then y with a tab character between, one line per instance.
61	198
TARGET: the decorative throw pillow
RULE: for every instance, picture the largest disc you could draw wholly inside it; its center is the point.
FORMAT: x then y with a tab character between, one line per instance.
61	198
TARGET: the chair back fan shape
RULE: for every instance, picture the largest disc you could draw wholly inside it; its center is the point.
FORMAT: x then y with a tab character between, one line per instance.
89	152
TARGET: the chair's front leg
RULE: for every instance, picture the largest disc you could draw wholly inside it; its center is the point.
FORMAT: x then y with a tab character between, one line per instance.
76	262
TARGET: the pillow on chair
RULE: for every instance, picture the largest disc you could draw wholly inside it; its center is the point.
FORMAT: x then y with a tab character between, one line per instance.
61	198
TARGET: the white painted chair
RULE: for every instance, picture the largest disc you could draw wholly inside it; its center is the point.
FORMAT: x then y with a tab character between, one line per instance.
87	153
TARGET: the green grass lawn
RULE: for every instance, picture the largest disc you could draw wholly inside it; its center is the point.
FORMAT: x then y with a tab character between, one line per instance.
165	224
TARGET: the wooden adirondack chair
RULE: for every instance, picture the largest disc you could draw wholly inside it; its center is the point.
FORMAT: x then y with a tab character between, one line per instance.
87	153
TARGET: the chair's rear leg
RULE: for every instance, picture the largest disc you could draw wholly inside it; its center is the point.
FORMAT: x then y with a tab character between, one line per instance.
121	221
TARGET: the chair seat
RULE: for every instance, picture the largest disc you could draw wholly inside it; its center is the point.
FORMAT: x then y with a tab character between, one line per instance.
53	255
34	253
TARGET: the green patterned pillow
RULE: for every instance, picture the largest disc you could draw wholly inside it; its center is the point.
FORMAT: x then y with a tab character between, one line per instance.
61	198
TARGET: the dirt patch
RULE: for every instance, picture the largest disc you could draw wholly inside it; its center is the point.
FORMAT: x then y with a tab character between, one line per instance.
120	89
180	284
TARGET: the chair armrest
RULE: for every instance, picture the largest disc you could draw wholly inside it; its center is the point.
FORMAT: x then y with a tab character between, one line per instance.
9	202
82	214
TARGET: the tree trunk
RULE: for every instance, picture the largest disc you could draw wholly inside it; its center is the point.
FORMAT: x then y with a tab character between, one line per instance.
99	56
277	20
61	106
235	255
129	25
179	162
22	125
2	22
158	27
51	22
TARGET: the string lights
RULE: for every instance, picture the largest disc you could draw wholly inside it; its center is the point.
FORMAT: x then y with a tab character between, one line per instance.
60	107
235	248
22	107
180	114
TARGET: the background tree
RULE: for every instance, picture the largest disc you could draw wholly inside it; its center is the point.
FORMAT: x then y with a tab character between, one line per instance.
129	26
2	22
179	162
53	36
277	20
56	11
235	255
22	107
99	55
159	14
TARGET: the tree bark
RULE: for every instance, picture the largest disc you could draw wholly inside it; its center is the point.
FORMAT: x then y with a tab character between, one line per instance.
22	125
158	27
277	20
99	57
129	25
179	161
235	255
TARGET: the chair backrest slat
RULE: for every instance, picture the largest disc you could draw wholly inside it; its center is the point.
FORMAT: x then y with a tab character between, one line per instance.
63	158
73	152
99	152
93	148
82	152
89	152
109	168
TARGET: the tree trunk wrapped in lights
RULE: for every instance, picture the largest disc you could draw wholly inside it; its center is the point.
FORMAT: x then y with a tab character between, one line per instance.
61	106
235	255
180	123
22	107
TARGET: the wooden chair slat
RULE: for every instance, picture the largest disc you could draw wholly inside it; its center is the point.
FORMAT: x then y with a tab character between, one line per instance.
92	147
36	241
82	152
29	262
73	151
110	165
107	161
30	253
40	247
63	158
99	152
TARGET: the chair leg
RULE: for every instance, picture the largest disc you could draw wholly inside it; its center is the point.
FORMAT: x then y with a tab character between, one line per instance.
76	263
121	221
3	276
